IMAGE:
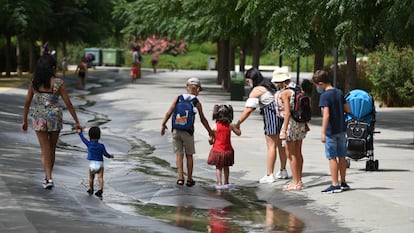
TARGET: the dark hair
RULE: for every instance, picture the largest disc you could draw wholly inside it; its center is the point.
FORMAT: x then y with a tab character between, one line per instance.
95	133
45	70
223	113
320	76
258	80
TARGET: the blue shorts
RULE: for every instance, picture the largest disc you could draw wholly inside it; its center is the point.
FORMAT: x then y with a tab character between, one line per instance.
335	146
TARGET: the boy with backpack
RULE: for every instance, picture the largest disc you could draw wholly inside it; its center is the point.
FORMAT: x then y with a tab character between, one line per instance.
183	111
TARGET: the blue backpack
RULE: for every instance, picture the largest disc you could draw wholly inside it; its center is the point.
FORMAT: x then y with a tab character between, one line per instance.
184	115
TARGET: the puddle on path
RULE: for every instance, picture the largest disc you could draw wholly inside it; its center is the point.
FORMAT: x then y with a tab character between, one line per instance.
244	214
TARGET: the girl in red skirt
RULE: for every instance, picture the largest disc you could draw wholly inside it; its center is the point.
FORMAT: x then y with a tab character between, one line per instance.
222	153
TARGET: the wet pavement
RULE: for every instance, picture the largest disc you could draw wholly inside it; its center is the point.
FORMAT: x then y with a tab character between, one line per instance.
140	193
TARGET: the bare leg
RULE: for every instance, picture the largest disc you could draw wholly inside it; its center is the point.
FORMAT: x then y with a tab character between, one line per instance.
293	160
219	175
101	178
226	174
53	138
333	165
189	167
282	154
342	168
299	159
44	143
91	179
271	153
180	165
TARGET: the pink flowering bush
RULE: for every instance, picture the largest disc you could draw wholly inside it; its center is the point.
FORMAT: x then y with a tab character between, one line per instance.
163	45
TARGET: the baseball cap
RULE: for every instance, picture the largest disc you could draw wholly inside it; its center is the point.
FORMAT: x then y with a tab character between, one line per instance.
194	82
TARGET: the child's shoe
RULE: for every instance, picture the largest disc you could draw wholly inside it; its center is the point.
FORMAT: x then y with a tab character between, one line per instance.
90	191
99	193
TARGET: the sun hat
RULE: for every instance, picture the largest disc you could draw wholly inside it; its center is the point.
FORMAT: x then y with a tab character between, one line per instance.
280	74
194	82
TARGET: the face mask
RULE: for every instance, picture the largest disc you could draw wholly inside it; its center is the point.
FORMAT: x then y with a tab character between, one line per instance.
320	90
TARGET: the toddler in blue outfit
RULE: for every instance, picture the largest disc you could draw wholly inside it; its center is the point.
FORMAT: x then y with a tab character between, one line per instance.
96	151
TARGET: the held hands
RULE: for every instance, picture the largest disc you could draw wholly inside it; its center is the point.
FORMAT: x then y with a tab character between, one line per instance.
24	127
211	140
282	135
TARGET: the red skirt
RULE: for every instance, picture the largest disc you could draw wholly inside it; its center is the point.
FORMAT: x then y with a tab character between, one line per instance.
221	158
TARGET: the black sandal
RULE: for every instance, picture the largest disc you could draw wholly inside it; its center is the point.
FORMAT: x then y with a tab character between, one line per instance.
180	182
190	183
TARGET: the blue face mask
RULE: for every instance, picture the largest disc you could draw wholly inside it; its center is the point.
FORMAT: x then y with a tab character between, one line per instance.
320	90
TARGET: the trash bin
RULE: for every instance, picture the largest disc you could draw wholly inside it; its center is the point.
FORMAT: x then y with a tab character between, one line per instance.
111	57
211	63
237	83
96	53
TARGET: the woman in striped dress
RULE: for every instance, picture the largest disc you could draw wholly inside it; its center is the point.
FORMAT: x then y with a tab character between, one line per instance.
262	96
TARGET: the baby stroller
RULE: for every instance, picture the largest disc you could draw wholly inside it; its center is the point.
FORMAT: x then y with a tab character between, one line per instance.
360	128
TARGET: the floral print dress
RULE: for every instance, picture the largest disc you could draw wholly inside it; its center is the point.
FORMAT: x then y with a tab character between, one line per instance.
47	114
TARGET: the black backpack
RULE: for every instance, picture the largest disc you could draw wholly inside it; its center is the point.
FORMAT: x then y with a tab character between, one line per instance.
301	111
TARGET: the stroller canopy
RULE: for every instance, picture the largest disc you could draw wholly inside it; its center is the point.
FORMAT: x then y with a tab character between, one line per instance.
362	106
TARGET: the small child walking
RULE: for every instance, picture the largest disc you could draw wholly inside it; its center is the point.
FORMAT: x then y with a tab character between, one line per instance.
222	153
96	151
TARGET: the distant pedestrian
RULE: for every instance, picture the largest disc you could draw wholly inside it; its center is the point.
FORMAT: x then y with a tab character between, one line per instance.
64	66
136	63
222	153
183	111
154	60
82	70
45	90
262	96
333	135
96	151
293	132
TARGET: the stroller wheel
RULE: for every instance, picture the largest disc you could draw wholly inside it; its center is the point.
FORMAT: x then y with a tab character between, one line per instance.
376	164
370	165
348	163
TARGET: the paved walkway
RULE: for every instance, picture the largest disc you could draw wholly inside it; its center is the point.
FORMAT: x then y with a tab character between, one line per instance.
379	201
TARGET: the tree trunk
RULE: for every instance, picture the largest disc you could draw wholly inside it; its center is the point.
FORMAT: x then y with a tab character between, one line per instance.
8	55
242	58
64	49
318	65
231	57
351	74
32	57
219	62
19	55
223	64
256	51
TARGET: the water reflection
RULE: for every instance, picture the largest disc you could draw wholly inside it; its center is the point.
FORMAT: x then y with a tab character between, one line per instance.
278	220
218	222
232	219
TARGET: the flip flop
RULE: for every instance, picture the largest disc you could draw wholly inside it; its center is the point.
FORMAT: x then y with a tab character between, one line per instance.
180	182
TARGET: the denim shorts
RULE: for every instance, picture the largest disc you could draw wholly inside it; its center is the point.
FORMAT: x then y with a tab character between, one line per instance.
335	146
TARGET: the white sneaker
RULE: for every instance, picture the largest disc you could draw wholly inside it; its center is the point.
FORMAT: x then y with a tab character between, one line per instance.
282	174
267	179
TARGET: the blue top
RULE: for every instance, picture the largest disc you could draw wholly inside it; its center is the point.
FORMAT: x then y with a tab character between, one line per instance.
334	100
96	150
